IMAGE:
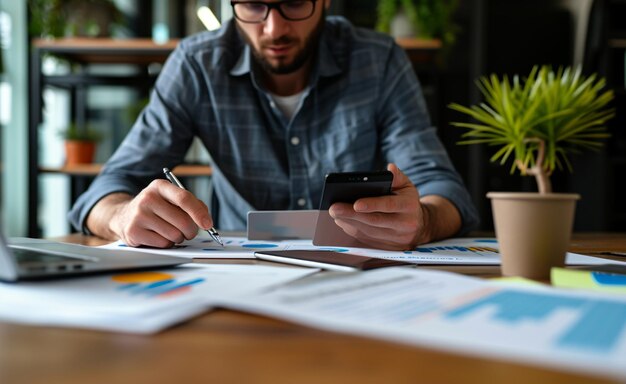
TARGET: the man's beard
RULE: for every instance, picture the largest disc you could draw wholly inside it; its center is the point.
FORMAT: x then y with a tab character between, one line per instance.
301	57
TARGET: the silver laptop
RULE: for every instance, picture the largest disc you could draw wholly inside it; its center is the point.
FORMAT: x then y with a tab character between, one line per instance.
30	259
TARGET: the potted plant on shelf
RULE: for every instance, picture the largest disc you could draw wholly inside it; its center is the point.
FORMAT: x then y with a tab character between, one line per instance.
537	123
85	18
428	19
80	144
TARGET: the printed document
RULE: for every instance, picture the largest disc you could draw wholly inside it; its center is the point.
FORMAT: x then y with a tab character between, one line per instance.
534	324
136	302
461	251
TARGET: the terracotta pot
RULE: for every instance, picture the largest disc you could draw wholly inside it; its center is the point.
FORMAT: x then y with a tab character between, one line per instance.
533	231
79	152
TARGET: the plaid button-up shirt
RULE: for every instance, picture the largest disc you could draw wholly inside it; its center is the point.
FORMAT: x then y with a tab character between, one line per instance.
363	108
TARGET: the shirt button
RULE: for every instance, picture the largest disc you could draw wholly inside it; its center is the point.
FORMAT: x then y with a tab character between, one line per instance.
301	202
295	140
272	104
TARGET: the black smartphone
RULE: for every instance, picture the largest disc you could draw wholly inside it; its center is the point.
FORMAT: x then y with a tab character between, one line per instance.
348	187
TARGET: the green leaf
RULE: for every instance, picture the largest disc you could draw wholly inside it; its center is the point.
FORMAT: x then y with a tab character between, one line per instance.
565	109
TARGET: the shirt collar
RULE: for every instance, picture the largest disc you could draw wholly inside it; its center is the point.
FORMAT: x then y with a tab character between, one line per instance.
242	66
327	62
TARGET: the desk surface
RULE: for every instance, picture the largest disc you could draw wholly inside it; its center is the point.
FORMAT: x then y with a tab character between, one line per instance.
231	347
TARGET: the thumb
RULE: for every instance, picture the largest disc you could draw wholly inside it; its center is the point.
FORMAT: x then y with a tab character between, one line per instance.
400	180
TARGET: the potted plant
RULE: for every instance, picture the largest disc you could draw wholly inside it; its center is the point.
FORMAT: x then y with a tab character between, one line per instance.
428	19
537	123
86	18
80	144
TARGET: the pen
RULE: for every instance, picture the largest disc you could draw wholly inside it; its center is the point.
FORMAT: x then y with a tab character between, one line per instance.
174	180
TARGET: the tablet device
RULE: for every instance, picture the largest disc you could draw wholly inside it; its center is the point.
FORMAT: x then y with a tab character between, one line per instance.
331	260
347	187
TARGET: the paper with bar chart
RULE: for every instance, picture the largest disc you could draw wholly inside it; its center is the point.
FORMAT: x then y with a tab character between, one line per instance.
138	302
202	247
532	324
464	251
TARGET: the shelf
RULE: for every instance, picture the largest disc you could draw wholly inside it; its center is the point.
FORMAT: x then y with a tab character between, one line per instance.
187	170
617	43
421	51
112	51
83	52
145	51
410	44
74	80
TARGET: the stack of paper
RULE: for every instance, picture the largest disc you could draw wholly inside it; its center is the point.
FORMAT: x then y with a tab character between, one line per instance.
140	302
461	251
542	325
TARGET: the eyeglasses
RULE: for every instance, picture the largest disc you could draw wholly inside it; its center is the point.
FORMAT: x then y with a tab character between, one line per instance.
257	11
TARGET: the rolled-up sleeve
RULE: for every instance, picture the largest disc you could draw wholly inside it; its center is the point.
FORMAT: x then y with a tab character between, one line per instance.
410	140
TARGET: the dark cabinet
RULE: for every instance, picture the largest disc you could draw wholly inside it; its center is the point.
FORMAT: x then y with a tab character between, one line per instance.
605	53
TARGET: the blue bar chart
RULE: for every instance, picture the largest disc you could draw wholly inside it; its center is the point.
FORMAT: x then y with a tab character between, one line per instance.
595	325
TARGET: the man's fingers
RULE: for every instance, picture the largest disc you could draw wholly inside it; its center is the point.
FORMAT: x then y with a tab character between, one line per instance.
380	220
394	230
186	201
144	227
138	235
400	180
175	224
373	237
163	215
153	239
386	204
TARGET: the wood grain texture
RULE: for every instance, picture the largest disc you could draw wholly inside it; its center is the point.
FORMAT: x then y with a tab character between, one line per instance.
225	346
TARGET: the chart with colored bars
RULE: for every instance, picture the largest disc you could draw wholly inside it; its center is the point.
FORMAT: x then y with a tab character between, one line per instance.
465	251
448	249
535	324
155	284
582	324
234	248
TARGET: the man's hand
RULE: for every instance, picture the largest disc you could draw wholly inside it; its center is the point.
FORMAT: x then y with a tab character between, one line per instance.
400	221
159	216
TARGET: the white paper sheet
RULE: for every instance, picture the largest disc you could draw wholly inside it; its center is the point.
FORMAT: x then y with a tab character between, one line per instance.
462	251
471	251
139	302
204	248
537	325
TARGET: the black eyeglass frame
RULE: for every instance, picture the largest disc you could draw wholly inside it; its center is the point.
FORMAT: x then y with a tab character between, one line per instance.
270	6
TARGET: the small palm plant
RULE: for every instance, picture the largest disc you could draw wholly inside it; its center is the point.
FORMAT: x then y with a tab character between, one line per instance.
539	121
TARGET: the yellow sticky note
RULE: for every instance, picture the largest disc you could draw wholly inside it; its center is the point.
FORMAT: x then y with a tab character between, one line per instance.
600	281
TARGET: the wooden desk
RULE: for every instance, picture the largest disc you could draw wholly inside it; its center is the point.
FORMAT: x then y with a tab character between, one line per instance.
230	347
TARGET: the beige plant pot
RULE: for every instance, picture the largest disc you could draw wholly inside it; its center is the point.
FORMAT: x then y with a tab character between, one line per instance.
533	231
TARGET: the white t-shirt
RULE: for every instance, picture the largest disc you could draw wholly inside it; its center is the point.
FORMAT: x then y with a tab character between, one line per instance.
287	104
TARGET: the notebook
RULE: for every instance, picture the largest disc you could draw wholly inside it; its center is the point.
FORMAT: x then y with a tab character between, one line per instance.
24	258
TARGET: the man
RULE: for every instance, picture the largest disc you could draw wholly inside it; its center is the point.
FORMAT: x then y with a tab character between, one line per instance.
280	96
